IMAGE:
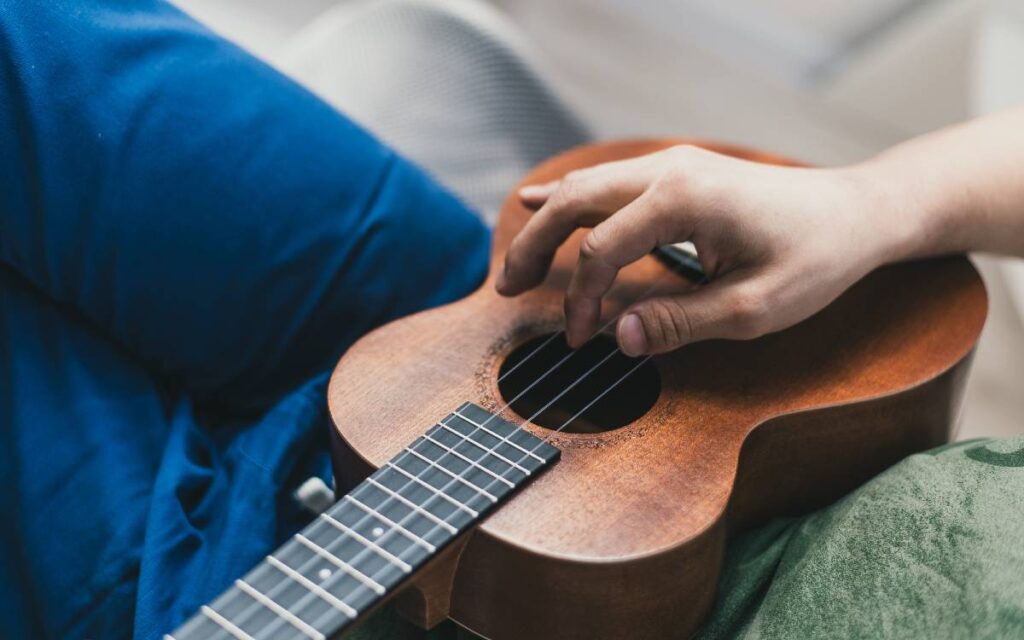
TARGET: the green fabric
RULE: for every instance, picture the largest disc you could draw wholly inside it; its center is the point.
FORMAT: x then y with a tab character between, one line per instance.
932	548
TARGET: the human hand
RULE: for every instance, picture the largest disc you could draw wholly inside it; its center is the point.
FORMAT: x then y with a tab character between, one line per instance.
777	243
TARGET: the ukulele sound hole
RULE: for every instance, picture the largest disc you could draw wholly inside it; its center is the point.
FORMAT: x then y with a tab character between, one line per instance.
615	396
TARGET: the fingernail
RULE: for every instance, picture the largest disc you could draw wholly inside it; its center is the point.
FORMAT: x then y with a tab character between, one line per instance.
535	192
632	340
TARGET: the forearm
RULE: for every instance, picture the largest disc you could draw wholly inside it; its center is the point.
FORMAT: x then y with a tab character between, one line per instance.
955	190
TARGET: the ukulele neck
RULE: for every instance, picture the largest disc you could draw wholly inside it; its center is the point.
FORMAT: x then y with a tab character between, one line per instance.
370	542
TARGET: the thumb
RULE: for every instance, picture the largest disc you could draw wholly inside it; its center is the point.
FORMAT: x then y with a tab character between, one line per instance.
718	310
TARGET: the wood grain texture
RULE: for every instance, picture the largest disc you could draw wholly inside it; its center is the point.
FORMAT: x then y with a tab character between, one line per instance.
624	536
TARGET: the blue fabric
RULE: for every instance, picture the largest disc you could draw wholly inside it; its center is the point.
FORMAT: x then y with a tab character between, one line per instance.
188	241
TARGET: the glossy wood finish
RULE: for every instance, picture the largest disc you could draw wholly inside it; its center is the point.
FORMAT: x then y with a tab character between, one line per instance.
624	536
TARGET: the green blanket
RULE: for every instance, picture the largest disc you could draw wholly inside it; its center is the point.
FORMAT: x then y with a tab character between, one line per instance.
932	548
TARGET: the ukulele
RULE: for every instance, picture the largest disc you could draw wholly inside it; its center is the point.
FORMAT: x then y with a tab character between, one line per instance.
491	475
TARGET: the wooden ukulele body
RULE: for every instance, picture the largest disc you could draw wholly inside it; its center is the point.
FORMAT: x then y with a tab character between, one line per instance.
624	536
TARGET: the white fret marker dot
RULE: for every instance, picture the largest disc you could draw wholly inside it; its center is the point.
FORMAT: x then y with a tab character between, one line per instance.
377	532
323	574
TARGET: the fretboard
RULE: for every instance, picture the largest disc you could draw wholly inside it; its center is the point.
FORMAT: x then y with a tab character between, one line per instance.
374	538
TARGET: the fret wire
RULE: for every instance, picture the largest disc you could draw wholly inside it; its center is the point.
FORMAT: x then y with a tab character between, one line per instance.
315	588
501	440
519	429
473	422
446	449
412	537
471	462
437	493
486	450
341	564
364	579
460	476
224	623
516	439
472	450
282	612
287	592
381	551
454	476
415	507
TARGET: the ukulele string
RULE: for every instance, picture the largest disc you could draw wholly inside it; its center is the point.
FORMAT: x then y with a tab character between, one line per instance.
535	351
394	527
398	526
528	453
590	404
531	354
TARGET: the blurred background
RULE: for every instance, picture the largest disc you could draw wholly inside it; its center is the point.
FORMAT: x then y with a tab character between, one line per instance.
824	81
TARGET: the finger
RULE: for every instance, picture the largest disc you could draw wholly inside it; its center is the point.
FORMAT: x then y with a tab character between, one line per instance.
583	199
618	241
736	307
535	195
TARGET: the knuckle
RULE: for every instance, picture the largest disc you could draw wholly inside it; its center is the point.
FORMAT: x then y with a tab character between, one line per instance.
574	299
675	175
592	246
668	325
674	185
668	198
689	167
569	191
682	151
687	155
575	176
691	152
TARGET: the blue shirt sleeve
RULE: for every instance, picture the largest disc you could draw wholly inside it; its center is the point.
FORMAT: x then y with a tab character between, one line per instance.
210	215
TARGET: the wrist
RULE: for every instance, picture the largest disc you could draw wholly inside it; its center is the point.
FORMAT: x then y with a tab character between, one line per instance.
904	221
